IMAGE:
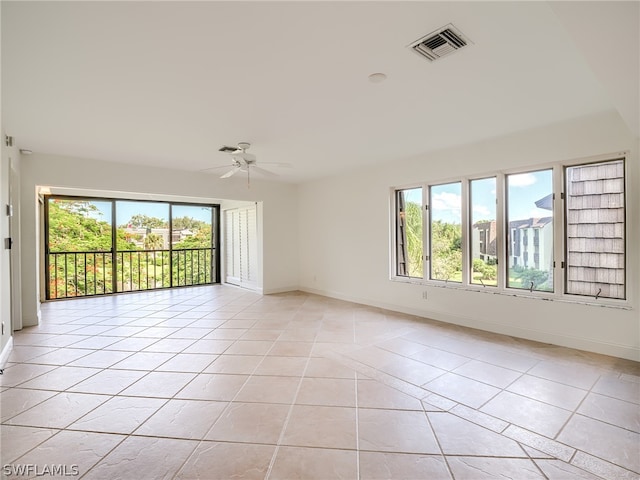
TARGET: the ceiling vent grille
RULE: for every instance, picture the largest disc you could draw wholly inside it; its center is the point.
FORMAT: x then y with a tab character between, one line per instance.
440	43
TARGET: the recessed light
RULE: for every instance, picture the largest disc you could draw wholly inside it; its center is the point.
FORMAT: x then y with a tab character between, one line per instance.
377	77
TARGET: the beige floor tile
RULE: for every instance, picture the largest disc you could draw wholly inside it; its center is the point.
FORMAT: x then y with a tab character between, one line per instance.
512	360
101	359
77	452
61	378
282	366
487	373
439	358
461	389
327	368
576	375
618	388
24	353
531	414
61	356
16	441
615	444
338	392
547	391
159	384
611	410
557	470
59	411
118	415
291	349
95	343
223	461
269	390
143	361
143	458
602	468
313	426
481	468
395	431
238	364
250	347
373	394
261	334
213	387
386	466
225	334
314	464
187	362
170	345
280	346
189	419
22	372
539	442
250	423
108	382
460	437
215	347
411	371
132	344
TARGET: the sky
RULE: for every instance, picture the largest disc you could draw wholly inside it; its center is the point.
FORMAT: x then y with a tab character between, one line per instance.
523	191
125	210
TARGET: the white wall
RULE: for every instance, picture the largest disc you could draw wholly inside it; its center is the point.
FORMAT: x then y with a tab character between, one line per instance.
279	210
345	239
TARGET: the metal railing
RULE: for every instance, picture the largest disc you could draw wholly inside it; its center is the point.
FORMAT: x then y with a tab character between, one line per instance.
81	274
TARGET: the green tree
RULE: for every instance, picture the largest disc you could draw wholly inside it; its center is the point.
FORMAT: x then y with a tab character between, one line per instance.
144	221
446	250
413	231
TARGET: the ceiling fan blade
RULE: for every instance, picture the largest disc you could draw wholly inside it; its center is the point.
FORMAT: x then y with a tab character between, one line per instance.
277	164
227	149
214	167
231	172
262	171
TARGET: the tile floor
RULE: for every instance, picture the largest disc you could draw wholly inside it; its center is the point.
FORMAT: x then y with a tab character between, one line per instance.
219	383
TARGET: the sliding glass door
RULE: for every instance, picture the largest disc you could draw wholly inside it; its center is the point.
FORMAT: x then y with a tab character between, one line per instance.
101	246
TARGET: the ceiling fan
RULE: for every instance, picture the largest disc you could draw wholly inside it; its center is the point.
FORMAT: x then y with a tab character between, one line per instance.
242	161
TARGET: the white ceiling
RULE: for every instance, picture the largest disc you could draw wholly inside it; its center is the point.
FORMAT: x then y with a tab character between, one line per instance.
167	83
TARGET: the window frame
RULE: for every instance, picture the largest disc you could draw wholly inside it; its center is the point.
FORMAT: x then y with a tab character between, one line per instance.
560	236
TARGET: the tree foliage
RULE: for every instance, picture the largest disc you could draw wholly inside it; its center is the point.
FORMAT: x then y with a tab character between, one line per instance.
446	250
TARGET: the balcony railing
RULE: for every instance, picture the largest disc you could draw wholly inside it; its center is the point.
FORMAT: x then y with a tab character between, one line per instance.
80	274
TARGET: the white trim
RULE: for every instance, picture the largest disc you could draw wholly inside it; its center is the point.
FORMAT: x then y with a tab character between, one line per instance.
6	351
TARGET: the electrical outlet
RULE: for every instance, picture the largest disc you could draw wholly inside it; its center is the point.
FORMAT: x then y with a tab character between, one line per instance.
424	295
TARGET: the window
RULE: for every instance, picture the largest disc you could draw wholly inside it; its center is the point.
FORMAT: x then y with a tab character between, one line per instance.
595	219
557	232
484	250
409	247
530	207
446	232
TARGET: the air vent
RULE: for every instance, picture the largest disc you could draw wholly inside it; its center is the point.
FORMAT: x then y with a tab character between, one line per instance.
440	43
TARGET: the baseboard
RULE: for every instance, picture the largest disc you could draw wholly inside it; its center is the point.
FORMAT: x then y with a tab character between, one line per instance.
579	343
4	355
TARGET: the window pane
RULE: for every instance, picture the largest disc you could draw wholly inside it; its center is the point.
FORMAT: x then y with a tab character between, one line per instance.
595	211
409	249
530	230
484	254
191	226
446	232
142	225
